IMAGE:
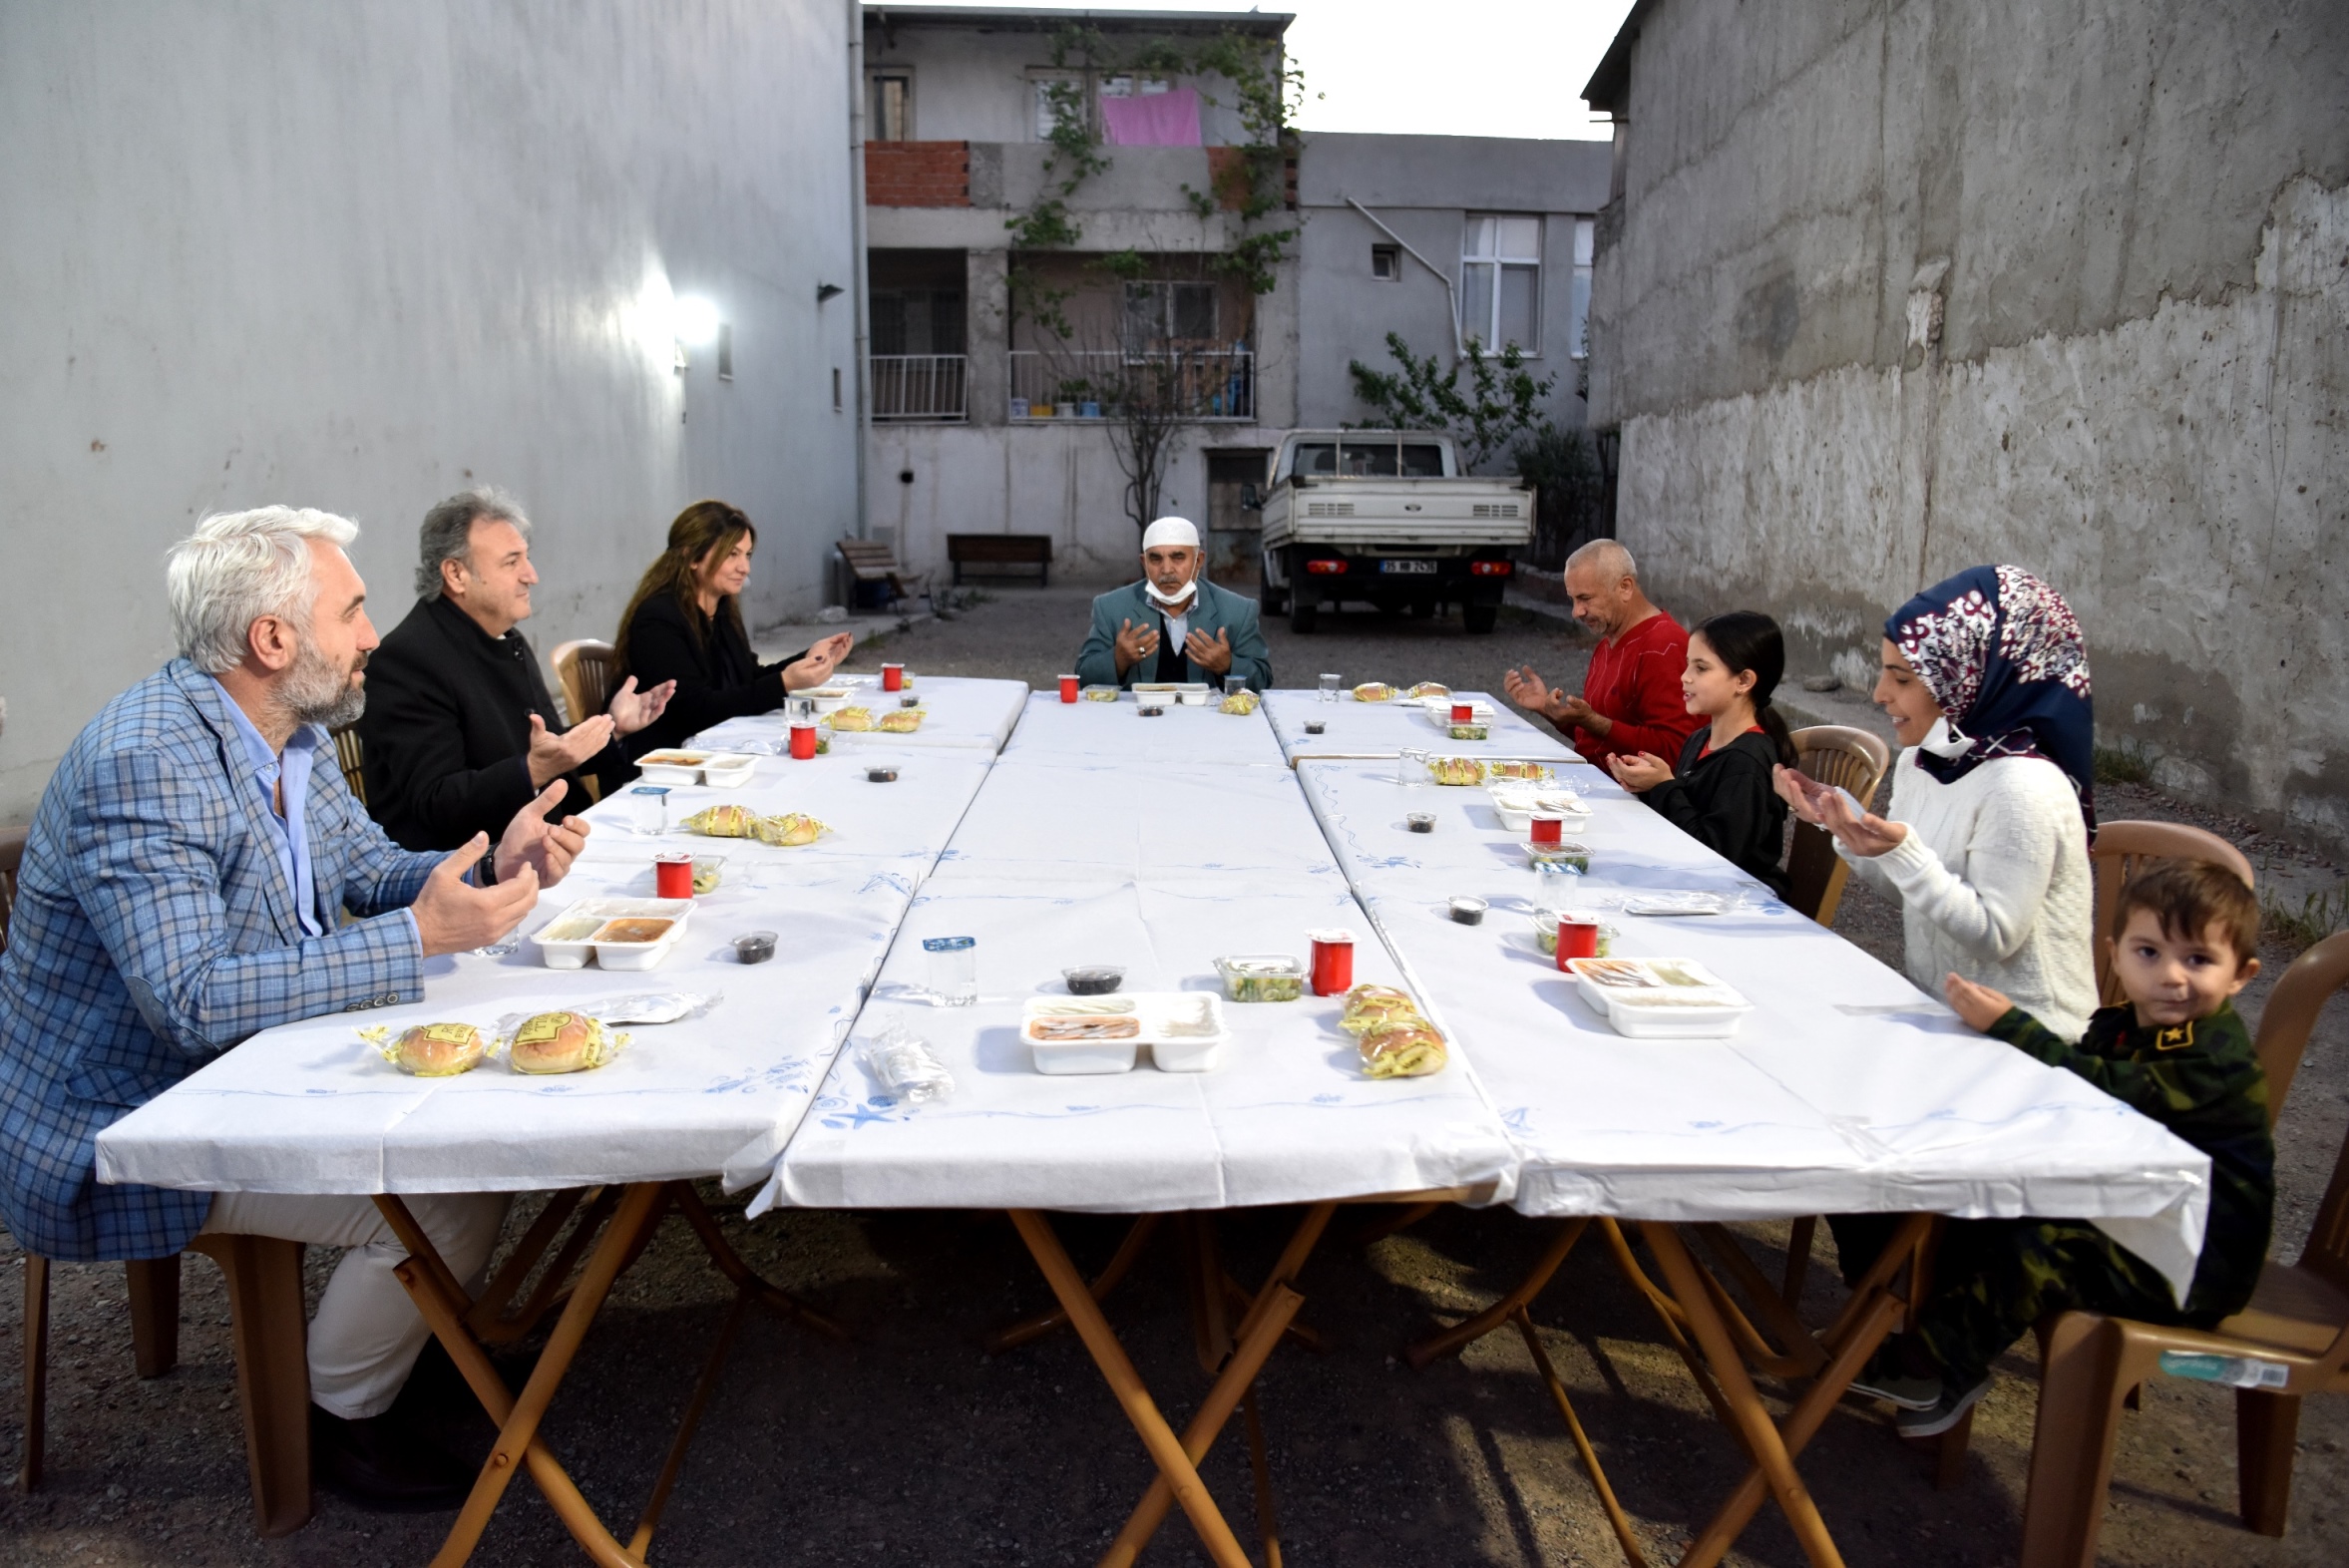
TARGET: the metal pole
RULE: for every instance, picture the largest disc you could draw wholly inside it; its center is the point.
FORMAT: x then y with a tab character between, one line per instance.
856	218
1451	291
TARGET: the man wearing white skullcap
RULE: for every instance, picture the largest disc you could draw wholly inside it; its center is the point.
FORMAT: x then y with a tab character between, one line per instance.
1174	625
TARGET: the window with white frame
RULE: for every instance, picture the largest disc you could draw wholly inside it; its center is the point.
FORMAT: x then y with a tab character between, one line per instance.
1056	95
1129	86
891	118
1500	280
1578	306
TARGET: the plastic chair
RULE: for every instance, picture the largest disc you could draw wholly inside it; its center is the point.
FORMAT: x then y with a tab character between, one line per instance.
584	673
2295	1333
12	857
1831	754
352	755
2122	850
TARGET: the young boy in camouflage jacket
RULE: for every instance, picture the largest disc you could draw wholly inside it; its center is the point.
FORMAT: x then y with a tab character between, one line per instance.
2176	1052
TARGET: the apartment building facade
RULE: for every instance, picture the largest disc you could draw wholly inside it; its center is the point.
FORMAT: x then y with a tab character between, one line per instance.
1003	371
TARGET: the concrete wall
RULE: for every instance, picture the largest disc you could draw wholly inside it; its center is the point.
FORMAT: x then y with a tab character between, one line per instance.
1898	288
356	256
1423	187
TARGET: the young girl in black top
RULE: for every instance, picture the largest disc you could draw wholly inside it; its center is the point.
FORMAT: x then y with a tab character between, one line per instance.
1722	795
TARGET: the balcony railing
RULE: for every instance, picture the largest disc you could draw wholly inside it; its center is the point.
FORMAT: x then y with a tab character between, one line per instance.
1194	384
918	387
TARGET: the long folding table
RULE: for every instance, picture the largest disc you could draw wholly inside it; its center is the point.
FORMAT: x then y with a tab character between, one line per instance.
1845	1090
313	1107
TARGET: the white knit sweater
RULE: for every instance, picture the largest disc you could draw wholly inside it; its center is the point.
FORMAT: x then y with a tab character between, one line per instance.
1994	883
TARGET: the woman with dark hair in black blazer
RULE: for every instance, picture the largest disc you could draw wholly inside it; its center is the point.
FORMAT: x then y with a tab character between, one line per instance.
685	622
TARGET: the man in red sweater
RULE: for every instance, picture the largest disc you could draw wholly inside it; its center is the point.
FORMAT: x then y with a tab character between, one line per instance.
1631	700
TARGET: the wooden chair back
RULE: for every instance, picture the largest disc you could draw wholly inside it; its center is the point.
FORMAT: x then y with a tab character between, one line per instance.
2122	849
351	756
585	671
2289	1017
1857	761
12	859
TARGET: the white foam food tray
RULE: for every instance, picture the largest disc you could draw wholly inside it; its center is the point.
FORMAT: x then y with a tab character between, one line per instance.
675	765
1660	999
567	941
1163	1020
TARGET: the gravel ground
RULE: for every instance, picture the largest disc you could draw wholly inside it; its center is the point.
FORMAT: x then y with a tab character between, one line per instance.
912	1445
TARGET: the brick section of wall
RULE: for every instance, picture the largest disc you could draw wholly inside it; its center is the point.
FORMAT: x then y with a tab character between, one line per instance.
917	174
1229	177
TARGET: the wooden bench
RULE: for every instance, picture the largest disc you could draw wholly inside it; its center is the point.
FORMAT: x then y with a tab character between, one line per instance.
870	561
1002	550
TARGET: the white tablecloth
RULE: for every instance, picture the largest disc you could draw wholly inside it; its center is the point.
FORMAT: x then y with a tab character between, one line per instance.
1845	1090
309	1107
1351	726
963	712
1115	733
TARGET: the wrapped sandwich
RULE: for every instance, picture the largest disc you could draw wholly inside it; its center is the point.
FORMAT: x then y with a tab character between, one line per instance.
437	1050
790	830
846	719
1368	1007
1373	691
1238	703
1431	688
1456	770
562	1043
901	721
1403	1049
724	822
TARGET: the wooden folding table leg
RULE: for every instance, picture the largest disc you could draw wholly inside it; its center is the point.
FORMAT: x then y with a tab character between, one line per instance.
1616	1517
1112	1273
1421	1352
271	1330
28	1474
154	1313
1167	1450
745	1279
1798	1240
1745	1404
445	1305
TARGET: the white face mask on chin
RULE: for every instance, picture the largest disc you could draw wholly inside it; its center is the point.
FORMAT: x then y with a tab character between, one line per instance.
1160	596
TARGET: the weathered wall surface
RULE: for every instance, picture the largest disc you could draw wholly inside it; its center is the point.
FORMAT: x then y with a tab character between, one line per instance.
357	257
1897	288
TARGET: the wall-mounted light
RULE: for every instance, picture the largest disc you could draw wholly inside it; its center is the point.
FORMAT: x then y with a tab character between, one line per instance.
827	291
694	320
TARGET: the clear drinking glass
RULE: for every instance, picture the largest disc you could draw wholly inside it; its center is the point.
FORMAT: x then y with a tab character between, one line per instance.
651	806
953	970
1330	687
1235	684
1409	766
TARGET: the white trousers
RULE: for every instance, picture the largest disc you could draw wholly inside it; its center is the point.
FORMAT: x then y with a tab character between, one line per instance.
368	1333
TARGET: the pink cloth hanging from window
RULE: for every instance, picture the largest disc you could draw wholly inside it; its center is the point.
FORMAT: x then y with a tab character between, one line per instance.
1168	118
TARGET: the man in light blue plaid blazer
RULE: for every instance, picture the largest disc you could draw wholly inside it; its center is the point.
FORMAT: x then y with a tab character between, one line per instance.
181	891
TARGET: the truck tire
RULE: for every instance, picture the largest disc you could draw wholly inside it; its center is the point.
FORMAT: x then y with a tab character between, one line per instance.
1272	598
1304	613
1478	620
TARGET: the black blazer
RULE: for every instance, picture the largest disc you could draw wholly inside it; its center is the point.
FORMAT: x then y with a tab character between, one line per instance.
447	730
1726	801
717	675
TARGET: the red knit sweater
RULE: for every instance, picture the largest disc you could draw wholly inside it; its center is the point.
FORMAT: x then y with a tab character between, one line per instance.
1634	679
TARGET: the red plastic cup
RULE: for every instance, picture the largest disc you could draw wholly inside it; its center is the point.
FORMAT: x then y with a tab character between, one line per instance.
893	677
1577	939
672	876
1548	828
1463	713
803	741
1333	962
1068	688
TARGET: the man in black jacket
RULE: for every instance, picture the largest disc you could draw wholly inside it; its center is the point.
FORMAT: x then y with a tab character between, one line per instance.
460	732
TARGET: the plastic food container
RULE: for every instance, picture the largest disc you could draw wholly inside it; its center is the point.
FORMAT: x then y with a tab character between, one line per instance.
1467	732
717	769
1660	999
1093	980
1099	693
709	872
1165	690
1184	1031
1569	857
1261	978
569	939
754	947
636	941
1192	693
1545	930
1469	911
826	698
1150	707
1315	726
1420	820
881	775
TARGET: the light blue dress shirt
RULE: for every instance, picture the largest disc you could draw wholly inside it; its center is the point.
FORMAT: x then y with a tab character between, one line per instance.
286	775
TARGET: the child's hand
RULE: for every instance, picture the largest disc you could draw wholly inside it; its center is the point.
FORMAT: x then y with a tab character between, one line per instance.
1640	774
1979	1006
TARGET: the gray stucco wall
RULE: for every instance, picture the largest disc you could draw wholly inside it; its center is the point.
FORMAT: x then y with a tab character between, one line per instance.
1897	288
1423	187
357	257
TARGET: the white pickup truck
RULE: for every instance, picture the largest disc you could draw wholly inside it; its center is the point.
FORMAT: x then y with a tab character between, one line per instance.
1386	517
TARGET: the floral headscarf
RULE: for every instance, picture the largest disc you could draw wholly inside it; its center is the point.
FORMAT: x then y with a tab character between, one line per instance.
2001	654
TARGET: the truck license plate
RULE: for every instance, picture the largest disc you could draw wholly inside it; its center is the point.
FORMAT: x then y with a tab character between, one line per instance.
1425	566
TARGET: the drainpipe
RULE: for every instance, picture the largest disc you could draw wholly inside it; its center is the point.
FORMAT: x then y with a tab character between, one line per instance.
1451	290
856	222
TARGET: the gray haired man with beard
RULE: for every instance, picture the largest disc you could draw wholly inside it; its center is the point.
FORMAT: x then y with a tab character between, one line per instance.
182	890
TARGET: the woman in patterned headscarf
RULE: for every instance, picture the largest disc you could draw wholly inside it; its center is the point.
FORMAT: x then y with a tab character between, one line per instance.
1985	844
